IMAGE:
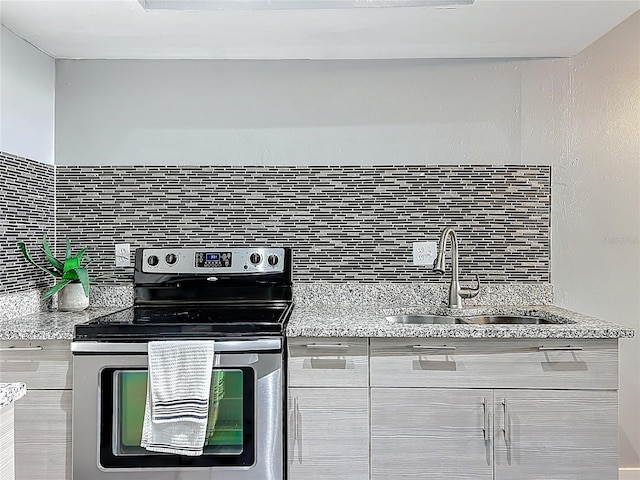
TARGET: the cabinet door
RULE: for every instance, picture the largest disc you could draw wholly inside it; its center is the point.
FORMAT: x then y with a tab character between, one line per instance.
558	434
328	433
431	433
43	435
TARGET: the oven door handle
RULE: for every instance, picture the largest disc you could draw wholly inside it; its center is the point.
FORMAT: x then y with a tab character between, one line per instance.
221	346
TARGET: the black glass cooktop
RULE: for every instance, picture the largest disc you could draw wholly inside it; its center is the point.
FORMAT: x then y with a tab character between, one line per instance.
148	322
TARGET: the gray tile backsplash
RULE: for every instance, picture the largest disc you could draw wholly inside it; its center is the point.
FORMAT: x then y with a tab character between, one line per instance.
26	213
352	223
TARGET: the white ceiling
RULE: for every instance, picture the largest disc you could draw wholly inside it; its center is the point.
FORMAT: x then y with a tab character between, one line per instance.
488	28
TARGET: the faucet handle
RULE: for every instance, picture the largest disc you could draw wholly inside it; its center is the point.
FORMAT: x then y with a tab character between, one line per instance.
471	292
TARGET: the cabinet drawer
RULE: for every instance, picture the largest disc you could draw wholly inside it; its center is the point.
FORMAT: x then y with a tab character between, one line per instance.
499	363
41	364
329	362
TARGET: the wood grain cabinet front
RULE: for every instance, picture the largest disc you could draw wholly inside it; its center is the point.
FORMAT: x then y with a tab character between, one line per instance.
42	418
328	434
43	435
556	434
328	362
495	363
430	433
328	409
436	413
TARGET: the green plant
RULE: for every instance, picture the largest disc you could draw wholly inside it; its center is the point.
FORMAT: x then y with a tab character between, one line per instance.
68	271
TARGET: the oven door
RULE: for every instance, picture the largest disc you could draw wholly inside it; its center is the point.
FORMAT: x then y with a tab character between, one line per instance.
244	431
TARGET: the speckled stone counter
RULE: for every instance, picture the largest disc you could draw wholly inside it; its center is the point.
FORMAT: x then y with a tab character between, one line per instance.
45	324
361	321
10	392
359	310
49	325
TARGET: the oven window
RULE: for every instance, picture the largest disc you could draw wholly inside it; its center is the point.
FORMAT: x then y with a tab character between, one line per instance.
229	439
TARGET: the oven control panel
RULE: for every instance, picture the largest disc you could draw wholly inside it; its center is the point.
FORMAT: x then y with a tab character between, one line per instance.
213	260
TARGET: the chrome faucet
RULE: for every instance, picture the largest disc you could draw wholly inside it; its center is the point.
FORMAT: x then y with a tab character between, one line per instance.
456	292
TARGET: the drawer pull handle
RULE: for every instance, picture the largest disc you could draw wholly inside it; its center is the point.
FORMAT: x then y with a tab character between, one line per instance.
568	348
12	348
485	426
432	347
336	346
507	428
296	413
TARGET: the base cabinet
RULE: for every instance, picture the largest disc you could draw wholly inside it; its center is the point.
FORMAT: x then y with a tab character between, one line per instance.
474	434
556	434
43	435
328	409
421	433
328	433
42	418
530	409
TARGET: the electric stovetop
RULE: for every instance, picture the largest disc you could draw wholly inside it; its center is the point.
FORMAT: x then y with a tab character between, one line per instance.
208	291
183	320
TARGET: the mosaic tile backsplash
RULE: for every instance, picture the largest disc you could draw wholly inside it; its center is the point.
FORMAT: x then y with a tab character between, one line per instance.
344	223
26	213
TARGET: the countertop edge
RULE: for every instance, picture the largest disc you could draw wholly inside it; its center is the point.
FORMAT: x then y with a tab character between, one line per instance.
10	392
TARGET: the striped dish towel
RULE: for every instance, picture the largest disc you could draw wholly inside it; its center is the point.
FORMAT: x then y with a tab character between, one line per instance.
178	386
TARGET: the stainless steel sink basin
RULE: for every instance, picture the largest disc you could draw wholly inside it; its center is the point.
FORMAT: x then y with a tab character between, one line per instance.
425	319
506	319
475	320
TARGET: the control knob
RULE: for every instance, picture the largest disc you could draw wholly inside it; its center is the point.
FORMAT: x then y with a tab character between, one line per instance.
273	260
255	258
171	258
153	260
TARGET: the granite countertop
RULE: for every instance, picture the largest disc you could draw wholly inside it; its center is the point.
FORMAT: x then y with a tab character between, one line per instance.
10	392
359	310
49	325
24	316
369	321
359	321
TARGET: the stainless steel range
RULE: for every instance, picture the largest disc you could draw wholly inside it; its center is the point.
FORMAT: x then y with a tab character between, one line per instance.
241	298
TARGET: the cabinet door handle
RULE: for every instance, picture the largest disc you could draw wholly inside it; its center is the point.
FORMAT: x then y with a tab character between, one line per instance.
433	347
295	419
12	348
567	348
506	428
329	346
485	427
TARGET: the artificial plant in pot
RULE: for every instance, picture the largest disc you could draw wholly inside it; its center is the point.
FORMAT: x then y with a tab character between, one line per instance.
72	278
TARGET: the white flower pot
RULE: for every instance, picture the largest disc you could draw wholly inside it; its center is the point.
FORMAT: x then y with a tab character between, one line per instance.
72	298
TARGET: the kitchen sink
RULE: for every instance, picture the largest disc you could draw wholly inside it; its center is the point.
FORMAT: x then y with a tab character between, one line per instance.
425	319
475	320
506	319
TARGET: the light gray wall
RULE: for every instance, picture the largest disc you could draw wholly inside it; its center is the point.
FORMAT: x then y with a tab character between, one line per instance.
596	206
180	112
27	88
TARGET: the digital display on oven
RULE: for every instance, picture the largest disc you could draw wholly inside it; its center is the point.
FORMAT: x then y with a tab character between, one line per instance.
213	259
